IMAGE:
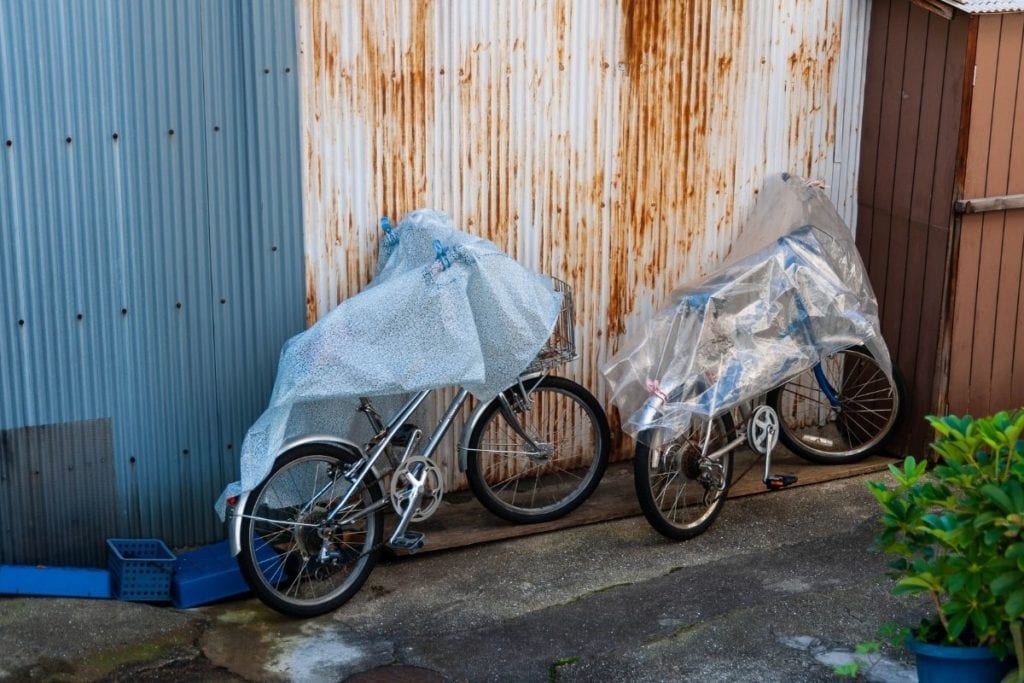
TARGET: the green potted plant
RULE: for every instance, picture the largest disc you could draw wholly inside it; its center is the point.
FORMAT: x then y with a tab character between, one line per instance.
957	534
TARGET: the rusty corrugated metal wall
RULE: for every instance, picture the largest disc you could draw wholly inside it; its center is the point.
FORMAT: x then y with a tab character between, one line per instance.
909	153
986	371
614	144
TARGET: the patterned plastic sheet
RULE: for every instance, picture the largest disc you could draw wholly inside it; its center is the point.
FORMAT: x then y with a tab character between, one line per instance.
445	308
794	291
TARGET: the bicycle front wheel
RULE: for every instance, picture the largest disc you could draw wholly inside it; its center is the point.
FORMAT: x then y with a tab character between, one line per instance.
293	559
869	407
680	489
526	485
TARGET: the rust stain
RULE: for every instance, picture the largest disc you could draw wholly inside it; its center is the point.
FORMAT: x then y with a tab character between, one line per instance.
665	115
312	310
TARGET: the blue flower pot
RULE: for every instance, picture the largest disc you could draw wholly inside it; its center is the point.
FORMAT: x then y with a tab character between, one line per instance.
956	664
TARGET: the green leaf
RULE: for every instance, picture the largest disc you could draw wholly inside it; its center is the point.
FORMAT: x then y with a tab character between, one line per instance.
1006	582
867	647
999	497
1015	604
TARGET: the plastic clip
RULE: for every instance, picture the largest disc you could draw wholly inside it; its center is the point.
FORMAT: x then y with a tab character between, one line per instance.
442	255
390	236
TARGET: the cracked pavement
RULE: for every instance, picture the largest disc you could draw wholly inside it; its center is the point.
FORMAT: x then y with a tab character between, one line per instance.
781	588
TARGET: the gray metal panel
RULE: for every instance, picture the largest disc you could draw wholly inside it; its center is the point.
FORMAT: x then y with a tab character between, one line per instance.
151	267
56	485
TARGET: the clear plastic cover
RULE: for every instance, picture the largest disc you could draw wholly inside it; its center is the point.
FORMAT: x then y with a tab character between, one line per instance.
794	291
445	308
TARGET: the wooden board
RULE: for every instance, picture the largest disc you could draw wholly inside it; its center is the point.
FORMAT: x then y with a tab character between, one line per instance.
461	521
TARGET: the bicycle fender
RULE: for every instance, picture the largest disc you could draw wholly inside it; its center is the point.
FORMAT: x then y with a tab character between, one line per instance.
467	431
235	518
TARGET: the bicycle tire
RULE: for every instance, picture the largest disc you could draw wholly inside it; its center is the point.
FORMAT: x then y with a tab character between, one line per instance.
277	555
521	488
871	408
679	463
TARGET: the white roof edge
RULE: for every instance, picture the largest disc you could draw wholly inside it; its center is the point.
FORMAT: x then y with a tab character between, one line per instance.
986	6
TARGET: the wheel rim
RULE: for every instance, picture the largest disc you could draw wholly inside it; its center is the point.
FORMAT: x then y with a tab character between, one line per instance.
869	406
286	533
536	483
685	487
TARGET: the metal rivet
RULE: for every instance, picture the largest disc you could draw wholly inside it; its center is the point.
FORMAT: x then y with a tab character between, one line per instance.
80	316
10	143
229	447
114	136
170	131
266	71
177	305
273	248
21	323
68	139
216	129
132	460
223	301
288	70
124	311
185	452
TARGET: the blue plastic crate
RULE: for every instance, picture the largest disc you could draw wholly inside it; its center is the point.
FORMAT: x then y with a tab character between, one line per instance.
140	569
206	575
67	582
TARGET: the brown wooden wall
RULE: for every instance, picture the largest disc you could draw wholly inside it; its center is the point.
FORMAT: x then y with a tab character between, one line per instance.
912	115
986	371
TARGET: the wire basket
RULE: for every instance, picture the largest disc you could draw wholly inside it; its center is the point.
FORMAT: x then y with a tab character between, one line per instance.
561	345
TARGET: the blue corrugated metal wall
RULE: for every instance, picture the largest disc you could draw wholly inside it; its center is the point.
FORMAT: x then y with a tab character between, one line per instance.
151	237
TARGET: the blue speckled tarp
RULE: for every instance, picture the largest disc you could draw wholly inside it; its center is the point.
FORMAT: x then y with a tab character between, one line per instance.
471	317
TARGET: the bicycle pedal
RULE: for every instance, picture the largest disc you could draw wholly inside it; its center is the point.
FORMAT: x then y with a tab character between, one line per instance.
403	435
410	541
775	482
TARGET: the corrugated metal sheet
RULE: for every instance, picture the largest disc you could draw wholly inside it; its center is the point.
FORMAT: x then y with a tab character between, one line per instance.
151	241
617	145
986	6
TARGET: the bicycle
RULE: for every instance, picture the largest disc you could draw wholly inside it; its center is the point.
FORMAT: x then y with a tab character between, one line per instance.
309	535
682	480
837	411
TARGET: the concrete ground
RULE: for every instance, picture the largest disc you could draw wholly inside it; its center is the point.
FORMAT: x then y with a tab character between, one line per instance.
781	588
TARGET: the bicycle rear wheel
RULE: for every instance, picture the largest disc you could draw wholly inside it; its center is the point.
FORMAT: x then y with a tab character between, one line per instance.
521	485
681	491
294	562
870	406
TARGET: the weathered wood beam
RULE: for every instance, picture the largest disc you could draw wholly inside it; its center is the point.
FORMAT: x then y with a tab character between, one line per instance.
935	7
982	204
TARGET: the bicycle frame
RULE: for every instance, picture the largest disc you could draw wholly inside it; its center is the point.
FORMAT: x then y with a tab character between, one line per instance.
368	461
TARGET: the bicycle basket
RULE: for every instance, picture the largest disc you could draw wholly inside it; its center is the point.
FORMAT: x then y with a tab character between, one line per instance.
561	345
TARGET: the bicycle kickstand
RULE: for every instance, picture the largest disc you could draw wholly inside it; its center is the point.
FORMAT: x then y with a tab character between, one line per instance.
763	435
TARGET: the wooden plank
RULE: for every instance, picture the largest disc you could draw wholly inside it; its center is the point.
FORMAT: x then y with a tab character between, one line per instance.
461	521
888	143
1015	224
985	204
964	296
1007	346
907	152
975	283
936	7
870	136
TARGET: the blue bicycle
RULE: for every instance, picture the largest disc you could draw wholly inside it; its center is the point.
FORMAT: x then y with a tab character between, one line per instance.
838	411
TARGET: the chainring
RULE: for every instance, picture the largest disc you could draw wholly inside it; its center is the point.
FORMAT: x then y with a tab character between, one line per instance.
433	486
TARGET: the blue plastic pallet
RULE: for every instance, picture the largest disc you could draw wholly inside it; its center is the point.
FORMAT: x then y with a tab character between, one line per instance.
67	582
